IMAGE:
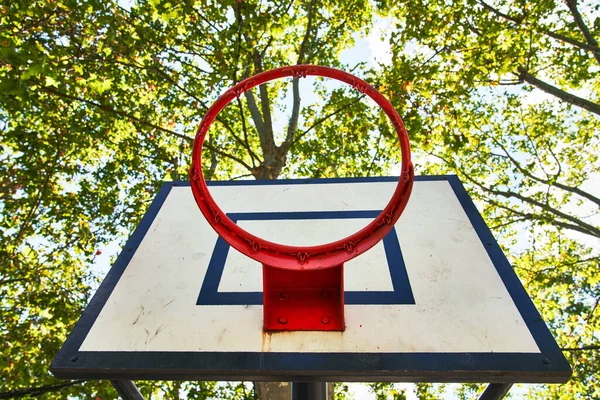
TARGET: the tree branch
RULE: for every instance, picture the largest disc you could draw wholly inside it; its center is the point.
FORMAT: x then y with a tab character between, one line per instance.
573	42
376	155
577	191
591	313
549	182
561	94
39	198
572	4
116	112
36	391
213	159
533	217
575	224
507	223
500	13
325	118
582	348
293	123
306	39
253	156
265	105
227	155
218	118
203	18
554	35
257	119
9	281
573	227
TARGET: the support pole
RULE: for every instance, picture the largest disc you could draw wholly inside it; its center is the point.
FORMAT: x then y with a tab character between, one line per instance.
495	391
309	390
127	390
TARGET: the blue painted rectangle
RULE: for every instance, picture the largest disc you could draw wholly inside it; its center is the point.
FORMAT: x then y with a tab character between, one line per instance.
402	293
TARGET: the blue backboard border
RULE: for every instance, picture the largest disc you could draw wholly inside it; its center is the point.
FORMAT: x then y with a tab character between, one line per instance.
401	293
548	366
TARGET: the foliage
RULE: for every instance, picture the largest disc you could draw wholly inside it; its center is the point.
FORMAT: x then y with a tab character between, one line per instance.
384	391
429	391
508	93
342	391
98	105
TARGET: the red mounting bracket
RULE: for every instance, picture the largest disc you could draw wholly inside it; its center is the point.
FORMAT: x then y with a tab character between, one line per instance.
309	300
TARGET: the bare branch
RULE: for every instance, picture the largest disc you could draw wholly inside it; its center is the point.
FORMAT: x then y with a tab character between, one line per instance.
265	105
293	123
549	182
213	159
257	119
561	94
253	155
227	155
574	223
376	155
306	39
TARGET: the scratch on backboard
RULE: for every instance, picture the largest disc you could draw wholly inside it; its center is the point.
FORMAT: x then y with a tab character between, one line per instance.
139	315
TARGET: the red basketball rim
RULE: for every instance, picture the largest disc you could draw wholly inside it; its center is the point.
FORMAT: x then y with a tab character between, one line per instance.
301	257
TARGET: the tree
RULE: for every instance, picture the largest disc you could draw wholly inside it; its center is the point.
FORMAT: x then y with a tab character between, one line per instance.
506	96
98	105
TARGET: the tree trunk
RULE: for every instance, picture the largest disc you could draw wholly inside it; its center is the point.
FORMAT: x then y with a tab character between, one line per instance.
282	390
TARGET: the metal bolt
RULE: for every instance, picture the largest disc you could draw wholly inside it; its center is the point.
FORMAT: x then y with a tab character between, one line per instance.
282	320
546	361
283	295
74	358
325	320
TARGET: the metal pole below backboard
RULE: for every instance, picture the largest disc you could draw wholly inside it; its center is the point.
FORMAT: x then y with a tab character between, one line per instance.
309	390
495	391
127	390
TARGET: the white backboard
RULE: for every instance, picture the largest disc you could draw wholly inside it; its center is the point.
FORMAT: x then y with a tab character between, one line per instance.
436	300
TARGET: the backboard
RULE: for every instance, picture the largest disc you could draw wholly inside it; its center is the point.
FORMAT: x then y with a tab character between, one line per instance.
435	300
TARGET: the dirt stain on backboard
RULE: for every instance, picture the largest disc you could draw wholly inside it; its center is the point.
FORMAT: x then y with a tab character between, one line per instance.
266	341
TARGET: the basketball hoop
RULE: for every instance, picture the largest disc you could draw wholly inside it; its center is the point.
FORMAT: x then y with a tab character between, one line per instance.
178	304
298	281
